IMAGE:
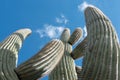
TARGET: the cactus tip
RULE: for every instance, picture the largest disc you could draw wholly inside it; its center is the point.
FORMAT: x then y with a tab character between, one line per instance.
25	32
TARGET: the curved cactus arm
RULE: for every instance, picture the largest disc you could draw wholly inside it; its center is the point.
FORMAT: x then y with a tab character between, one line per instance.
42	63
76	35
78	71
79	49
102	54
65	70
9	54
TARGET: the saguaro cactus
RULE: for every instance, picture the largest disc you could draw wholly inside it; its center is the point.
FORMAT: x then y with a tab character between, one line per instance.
9	54
65	70
39	65
101	60
42	63
101	51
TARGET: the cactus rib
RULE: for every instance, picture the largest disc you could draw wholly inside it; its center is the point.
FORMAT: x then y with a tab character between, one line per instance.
79	49
101	58
9	54
65	70
42	63
76	35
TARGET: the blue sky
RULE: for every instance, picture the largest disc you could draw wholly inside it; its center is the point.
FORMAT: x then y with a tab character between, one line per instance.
47	19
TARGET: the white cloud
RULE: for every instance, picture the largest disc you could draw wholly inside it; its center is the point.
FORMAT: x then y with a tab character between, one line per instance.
62	19
84	31
50	31
83	6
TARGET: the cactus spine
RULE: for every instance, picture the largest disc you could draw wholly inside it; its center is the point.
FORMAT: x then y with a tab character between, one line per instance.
65	70
42	63
9	54
102	54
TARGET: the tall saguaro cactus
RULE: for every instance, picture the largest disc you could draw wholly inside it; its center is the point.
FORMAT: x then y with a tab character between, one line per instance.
9	54
101	60
100	48
42	63
65	70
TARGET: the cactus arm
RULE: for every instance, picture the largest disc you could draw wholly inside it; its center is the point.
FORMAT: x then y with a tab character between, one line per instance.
102	55
79	49
76	35
65	70
42	63
9	54
65	35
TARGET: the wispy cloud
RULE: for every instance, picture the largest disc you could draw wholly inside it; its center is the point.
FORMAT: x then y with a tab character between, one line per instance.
84	31
83	6
50	31
62	19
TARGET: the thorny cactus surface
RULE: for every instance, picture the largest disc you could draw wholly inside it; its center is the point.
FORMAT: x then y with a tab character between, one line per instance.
100	50
9	54
42	63
65	70
102	55
39	65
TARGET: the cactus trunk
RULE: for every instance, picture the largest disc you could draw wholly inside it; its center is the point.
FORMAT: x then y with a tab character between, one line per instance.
9	54
102	54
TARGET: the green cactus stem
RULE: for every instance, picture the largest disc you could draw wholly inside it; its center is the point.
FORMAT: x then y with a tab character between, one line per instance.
42	63
103	52
9	54
79	49
76	35
65	70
